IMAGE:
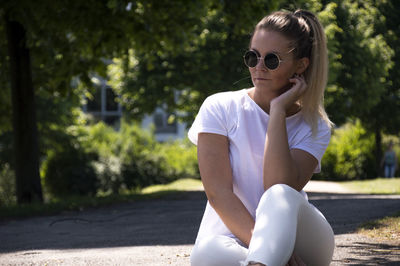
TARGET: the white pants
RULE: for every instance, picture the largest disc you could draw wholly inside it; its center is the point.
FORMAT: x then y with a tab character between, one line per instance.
285	223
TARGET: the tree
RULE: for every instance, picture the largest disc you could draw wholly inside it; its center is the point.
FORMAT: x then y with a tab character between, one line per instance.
24	116
364	63
65	40
385	116
212	62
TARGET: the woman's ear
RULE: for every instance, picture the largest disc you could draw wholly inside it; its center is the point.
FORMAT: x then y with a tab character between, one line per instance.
302	65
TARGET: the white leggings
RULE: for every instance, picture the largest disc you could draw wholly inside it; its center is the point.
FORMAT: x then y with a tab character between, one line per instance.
285	223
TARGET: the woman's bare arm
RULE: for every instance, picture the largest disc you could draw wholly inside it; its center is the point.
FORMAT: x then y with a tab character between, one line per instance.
282	165
216	175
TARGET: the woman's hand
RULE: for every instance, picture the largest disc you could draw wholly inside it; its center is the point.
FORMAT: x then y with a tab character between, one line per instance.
287	99
295	261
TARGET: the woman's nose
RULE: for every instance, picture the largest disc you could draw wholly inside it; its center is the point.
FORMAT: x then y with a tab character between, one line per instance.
260	64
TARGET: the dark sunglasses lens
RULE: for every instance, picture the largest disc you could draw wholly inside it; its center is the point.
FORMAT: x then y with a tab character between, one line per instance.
271	61
250	59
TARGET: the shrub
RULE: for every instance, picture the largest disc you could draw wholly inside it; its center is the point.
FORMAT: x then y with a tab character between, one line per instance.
131	158
181	158
7	186
142	164
108	170
113	161
349	154
70	172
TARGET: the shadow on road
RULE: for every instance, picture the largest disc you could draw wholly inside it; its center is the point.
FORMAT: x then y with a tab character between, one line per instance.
168	221
365	253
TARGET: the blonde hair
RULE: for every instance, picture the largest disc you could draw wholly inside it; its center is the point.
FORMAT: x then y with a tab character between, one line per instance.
308	39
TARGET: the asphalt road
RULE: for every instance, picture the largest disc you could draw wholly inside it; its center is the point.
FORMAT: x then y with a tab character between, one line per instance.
162	232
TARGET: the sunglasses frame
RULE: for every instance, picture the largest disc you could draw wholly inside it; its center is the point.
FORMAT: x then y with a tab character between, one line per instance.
263	59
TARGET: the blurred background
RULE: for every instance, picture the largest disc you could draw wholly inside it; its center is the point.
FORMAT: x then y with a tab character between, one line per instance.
96	96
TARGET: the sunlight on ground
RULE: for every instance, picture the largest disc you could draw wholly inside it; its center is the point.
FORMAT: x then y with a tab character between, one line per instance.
177	255
374	186
186	184
387	228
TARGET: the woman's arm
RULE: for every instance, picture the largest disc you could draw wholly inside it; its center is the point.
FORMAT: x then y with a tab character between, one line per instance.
282	165
216	175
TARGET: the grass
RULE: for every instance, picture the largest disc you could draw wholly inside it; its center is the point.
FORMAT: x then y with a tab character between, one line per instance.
79	203
374	186
186	184
387	228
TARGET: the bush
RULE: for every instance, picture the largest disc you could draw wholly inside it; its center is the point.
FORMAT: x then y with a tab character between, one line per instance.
349	154
142	162
70	172
108	170
181	158
101	159
131	158
7	186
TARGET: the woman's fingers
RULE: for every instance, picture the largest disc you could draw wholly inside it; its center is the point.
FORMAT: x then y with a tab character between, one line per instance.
295	261
288	98
299	83
298	260
292	261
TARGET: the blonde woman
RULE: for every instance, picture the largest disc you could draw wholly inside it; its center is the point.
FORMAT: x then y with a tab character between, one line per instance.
258	148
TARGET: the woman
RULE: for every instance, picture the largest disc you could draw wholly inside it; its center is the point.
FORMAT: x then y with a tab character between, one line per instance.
258	148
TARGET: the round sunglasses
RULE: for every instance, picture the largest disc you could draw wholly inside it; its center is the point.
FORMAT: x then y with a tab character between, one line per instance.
271	60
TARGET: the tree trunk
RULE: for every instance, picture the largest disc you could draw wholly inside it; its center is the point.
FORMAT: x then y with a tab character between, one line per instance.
378	150
25	134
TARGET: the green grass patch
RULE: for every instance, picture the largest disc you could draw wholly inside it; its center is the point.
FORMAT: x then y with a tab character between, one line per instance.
187	184
374	186
79	203
387	228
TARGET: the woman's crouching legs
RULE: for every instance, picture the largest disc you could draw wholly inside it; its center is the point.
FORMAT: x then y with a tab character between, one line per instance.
287	222
216	251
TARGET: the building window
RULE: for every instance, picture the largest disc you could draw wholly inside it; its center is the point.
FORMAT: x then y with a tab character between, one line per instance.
94	104
111	100
104	105
164	123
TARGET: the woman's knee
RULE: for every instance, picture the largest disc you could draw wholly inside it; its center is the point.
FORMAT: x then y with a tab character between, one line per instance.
217	250
281	193
281	189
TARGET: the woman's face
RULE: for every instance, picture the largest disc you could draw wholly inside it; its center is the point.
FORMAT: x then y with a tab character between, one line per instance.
275	81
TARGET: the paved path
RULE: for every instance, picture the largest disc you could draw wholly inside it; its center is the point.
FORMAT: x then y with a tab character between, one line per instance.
161	232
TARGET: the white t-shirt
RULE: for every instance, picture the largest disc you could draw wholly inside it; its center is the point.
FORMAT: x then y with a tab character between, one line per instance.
235	115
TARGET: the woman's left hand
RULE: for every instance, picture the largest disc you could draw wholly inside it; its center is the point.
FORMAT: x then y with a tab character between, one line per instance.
295	261
286	100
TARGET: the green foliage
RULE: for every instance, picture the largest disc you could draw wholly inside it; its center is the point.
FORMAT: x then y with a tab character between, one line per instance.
85	160
360	61
141	164
211	62
131	158
181	157
69	171
7	185
194	53
349	154
386	114
78	45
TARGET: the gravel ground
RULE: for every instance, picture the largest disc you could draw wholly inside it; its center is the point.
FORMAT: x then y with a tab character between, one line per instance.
162	232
